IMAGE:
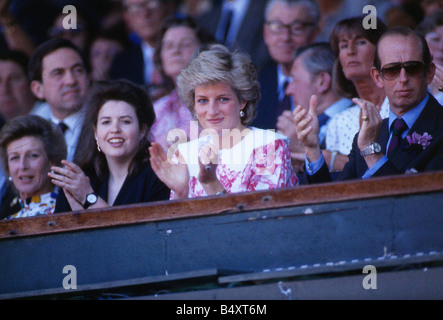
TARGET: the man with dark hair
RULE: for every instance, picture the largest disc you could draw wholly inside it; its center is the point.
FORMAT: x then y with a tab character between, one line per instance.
59	75
411	139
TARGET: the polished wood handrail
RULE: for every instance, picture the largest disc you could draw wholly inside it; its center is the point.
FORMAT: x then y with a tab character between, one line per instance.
179	209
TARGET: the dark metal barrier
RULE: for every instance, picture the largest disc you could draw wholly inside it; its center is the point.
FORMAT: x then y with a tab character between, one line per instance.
244	240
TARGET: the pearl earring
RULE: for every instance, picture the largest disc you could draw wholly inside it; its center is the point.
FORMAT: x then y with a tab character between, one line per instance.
98	147
10	178
242	114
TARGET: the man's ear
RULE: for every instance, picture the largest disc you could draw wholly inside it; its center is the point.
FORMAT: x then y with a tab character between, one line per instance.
376	76
430	73
37	89
323	82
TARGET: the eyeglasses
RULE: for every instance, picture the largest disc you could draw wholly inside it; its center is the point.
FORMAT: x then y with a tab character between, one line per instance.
296	28
391	71
135	8
183	44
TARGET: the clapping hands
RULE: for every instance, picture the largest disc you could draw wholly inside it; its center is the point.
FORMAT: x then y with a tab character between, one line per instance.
307	127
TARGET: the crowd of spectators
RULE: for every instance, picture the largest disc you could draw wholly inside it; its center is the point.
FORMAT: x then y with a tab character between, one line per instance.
166	99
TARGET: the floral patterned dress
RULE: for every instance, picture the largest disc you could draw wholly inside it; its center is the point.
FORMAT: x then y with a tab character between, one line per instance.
37	205
260	161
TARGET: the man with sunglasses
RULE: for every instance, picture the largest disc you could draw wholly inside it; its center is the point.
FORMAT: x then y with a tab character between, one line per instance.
411	139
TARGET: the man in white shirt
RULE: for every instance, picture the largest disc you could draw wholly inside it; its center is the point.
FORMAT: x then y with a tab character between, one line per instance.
59	76
410	139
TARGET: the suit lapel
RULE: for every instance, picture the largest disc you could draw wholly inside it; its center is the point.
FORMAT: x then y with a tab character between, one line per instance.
426	122
252	22
383	136
266	118
382	139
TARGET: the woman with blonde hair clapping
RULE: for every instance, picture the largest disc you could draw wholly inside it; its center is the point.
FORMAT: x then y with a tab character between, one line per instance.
220	88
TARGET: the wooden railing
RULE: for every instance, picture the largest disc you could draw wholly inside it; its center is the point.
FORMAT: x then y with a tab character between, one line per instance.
179	209
340	227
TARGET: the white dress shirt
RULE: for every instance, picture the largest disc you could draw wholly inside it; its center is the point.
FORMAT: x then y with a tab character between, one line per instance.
74	122
148	57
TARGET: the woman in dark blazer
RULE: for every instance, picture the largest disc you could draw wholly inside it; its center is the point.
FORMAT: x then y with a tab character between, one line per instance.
112	164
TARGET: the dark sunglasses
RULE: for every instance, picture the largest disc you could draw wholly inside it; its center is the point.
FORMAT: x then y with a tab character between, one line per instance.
391	71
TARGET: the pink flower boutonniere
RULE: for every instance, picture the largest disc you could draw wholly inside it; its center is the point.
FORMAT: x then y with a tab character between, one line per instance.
418	142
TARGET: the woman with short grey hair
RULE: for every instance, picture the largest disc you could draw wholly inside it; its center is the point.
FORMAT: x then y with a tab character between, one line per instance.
29	146
220	88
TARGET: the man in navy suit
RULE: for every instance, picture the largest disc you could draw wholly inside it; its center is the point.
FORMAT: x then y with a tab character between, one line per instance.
239	24
411	139
145	19
289	24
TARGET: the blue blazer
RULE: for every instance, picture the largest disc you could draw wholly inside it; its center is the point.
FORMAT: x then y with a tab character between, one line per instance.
267	116
404	158
250	32
130	65
144	186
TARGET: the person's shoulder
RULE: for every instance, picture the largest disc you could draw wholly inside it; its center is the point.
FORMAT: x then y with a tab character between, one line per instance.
267	70
42	109
350	113
266	136
161	101
436	104
438	113
9	204
130	50
160	104
433	110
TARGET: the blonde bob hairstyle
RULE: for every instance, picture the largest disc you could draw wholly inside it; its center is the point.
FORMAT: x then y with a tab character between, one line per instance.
214	64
